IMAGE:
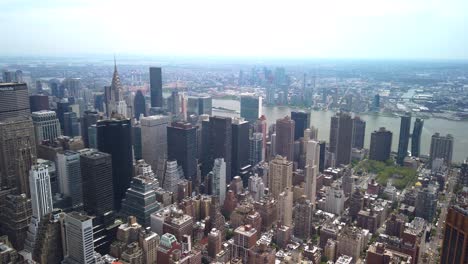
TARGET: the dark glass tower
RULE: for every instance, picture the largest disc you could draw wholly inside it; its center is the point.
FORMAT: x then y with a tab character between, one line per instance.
217	139
302	121
89	118
139	104
240	145
359	133
250	107
156	87
323	150
182	146
285	137
96	173
416	137
403	141
381	145
341	137
62	107
14	100
71	126
114	137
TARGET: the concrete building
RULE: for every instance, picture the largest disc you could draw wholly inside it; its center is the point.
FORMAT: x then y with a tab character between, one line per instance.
218	177
69	173
245	238
256	149
256	187
250	107
381	145
285	138
455	243
46	125
14	101
441	147
303	218
279	175
334	200
285	207
79	239
154	139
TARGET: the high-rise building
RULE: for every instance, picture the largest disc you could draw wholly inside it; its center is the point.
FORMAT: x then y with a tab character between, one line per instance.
403	140
172	176
89	118
139	104
140	200
240	148
359	132
285	137
285	207
71	125
356	202
46	125
15	217
14	100
156	87
250	107
245	238
312	160
426	203
441	147
214	243
17	152
39	102
455	243
218	179
381	145
256	187
301	123
205	105
334	200
182	146
48	246
376	103
216	218
279	175
69	172
96	174
108	133
323	151
416	137
463	177
262	253
154	139
79	239
115	101
256	148
303	218
341	137
217	139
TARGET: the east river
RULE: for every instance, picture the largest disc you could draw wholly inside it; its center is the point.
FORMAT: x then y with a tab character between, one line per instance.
321	120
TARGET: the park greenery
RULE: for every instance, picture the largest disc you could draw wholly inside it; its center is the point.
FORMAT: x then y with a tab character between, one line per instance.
385	171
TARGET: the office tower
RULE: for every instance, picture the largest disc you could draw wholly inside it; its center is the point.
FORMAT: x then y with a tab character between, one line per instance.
8	76
154	139
182	146
441	147
285	137
218	178
89	118
303	218
174	104
48	246
356	203
116	105
46	125
256	187
403	141
63	106
72	85
79	238
347	182
312	160
140	200
69	172
455	243
381	145
71	126
14	100
156	87
205	105
15	217
250	107
96	174
323	151
351	242
108	133
376	103
359	132
426	203
240	148
256	148
260	126
54	185
245	238
301	123
416	137
285	207
334	200
341	137
38	102
214	243
136	141
279	175
139	104
217	140
173	174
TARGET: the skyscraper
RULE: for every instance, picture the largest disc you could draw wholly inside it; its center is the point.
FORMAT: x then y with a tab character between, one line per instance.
96	174
240	148
116	105
69	172
218	141
279	175
285	207
182	146
416	137
256	148
218	178
15	217
89	118
156	87
359	132
14	100
303	218
172	175
441	147
108	133
455	243
71	126
312	163
154	139
341	137
285	137
403	141
381	145
301	123
38	102
139	104
46	125
17	152
250	107
79	239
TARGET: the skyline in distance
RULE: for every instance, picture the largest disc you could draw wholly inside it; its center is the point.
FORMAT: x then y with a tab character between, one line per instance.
362	29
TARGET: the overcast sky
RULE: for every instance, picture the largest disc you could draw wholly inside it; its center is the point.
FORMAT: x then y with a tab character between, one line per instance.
375	29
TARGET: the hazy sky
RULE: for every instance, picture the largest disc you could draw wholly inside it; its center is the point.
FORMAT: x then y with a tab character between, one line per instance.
394	29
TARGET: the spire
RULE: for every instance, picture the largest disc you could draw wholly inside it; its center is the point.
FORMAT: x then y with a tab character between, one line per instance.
115	64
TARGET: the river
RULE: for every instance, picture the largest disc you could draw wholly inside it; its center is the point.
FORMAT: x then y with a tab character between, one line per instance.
321	120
